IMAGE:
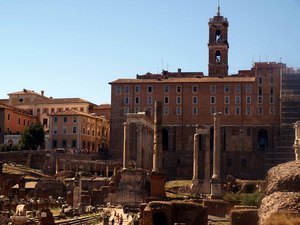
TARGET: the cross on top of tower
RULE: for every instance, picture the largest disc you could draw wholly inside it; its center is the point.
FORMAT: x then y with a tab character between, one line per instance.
218	13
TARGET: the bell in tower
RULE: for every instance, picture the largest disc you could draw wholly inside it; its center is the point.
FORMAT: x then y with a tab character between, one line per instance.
218	46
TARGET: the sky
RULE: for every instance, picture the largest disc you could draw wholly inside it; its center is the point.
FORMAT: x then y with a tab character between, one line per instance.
74	48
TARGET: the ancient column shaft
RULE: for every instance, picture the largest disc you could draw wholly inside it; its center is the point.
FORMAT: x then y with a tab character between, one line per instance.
196	148
157	142
216	159
139	145
207	157
126	145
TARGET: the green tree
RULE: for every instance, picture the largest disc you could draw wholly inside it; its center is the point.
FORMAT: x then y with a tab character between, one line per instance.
33	137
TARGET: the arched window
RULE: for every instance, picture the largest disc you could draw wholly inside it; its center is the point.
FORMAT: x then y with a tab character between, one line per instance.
218	56
218	36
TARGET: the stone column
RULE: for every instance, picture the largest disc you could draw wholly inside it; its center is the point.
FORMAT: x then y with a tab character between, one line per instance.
196	149
157	188
157	142
195	187
216	159
107	171
206	181
56	165
139	145
216	188
126	145
296	145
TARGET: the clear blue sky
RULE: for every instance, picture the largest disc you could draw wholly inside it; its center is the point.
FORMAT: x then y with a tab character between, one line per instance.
74	48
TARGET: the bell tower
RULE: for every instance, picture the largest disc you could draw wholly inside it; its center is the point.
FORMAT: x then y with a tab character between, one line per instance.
218	46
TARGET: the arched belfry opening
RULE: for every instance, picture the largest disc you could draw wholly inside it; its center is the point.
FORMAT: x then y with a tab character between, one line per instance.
218	35
218	56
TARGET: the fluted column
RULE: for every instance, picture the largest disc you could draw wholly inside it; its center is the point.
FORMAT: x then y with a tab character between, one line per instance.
207	157
139	145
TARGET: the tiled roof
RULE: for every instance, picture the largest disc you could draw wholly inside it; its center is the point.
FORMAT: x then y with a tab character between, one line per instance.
26	92
229	79
15	109
71	112
62	101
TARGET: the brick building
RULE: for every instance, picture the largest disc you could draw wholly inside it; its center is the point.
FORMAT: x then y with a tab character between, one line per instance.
79	131
249	102
13	121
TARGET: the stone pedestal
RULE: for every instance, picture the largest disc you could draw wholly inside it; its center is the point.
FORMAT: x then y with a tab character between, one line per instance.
157	188
216	188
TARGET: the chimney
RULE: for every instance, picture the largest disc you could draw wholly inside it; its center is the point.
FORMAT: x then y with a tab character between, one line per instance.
42	92
179	70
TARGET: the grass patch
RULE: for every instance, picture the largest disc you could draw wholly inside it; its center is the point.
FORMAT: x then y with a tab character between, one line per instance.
177	184
250	199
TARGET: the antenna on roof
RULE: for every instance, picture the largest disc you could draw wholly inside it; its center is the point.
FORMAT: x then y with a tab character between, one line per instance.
218	8
162	65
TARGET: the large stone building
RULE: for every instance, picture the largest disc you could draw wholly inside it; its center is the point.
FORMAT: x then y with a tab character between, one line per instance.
250	103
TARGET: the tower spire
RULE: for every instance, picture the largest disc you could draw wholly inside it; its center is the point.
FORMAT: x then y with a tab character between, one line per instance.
218	8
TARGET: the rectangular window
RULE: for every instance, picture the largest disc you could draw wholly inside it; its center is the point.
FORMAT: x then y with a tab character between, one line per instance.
137	109
166	110
52	110
166	101
150	89
248	110
237	88
226	89
166	88
195	100
226	99
272	80
260	111
260	99
74	143
178	89
126	110
260	80
178	100
272	92
149	109
195	88
74	130
195	110
126	100
19	120
149	100
248	88
272	100
237	110
137	89
74	119
65	119
81	109
54	144
260	91
54	130
213	89
272	110
213	110
24	122
64	130
64	143
212	99
248	100
226	110
237	100
118	89
178	111
126	89
137	100
8	116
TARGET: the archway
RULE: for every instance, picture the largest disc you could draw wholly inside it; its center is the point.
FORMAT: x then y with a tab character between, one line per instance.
262	139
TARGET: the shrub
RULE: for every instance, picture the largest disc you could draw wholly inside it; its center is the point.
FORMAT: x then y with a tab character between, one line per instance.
250	199
282	219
